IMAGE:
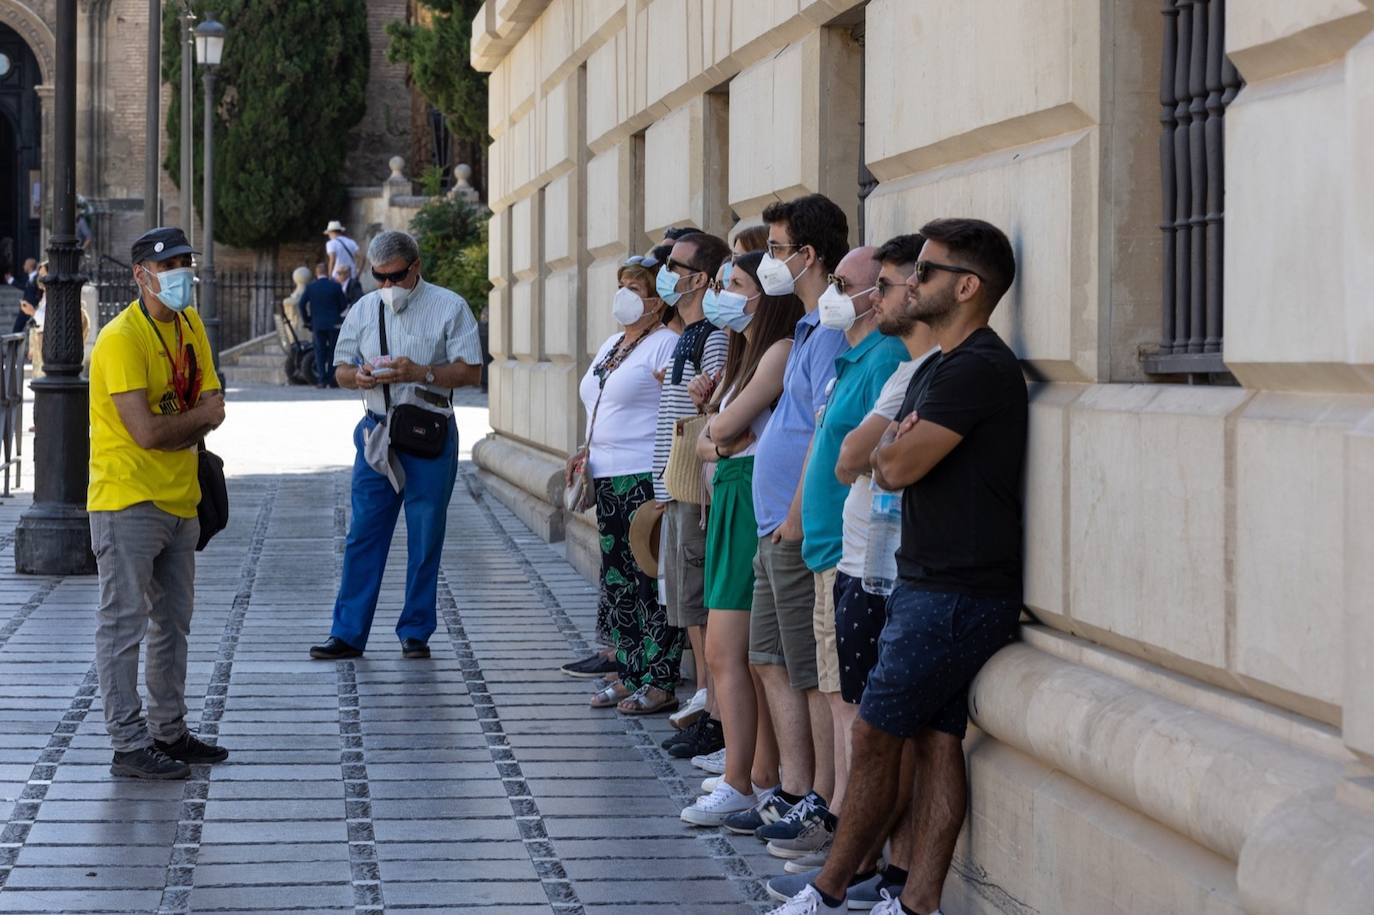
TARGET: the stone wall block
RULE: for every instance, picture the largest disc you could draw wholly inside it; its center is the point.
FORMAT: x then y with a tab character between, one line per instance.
966	51
1050	316
674	161
1270	38
561	318
1047	502
768	102
1289	576
1359	218
1148	465
1357	718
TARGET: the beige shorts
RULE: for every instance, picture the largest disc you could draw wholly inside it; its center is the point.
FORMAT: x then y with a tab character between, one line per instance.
823	624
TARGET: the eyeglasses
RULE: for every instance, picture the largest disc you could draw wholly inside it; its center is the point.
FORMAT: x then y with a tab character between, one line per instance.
641	260
886	286
924	269
394	277
675	266
775	246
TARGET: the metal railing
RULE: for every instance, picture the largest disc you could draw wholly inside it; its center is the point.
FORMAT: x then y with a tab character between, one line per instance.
246	299
14	352
1197	84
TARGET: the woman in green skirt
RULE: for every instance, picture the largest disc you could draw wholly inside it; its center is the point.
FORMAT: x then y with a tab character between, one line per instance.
739	407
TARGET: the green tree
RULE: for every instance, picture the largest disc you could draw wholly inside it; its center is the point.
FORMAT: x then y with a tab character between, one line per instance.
452	235
437	51
292	84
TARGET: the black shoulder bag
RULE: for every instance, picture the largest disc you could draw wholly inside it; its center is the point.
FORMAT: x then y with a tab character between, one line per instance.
413	429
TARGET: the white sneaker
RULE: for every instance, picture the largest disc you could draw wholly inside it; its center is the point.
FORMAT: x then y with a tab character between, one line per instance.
890	906
712	809
713	763
809	902
686	716
709	784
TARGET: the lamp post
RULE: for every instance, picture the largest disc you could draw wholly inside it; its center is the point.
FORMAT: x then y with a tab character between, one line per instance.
209	50
152	212
54	536
188	110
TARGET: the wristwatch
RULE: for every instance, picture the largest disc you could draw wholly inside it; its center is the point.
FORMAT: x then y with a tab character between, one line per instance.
429	374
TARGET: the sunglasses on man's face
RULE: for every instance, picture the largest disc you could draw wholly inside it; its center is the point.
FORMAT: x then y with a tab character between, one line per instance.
925	268
394	277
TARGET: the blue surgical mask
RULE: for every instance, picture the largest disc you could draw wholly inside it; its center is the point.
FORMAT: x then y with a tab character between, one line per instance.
177	288
726	309
666	285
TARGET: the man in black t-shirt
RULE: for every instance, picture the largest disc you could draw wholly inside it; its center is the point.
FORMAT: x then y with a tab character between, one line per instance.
956	450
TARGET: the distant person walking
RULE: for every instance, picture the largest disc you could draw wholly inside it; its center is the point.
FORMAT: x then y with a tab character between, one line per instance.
353	290
154	396
407	345
322	306
341	250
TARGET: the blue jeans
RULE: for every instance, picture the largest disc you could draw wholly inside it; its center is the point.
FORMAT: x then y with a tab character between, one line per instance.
428	487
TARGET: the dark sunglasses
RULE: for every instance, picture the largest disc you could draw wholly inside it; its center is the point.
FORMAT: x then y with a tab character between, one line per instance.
394	277
925	268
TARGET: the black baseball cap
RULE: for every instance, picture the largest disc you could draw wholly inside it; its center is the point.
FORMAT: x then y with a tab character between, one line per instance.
161	243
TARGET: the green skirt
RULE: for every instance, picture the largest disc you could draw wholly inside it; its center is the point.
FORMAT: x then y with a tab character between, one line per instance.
731	536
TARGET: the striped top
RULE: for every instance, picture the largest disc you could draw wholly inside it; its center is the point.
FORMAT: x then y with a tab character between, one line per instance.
435	327
675	403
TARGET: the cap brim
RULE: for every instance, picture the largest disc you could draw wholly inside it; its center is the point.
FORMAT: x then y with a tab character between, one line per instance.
160	256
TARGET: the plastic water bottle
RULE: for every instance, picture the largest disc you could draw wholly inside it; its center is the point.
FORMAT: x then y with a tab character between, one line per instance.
884	536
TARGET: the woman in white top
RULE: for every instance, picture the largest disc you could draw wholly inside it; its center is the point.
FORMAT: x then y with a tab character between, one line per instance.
620	393
739	407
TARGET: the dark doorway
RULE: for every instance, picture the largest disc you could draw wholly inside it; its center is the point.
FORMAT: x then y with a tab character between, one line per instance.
21	153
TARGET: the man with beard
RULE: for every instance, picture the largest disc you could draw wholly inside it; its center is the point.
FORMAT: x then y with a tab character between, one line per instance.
957	453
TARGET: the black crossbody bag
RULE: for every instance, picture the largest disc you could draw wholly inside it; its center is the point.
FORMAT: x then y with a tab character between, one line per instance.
413	429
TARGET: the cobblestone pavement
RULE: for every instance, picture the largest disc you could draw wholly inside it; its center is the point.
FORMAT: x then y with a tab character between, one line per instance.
478	781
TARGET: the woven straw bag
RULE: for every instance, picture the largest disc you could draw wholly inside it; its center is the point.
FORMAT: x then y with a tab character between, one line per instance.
682	476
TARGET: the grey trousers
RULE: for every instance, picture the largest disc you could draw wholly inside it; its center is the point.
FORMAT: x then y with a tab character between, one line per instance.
147	564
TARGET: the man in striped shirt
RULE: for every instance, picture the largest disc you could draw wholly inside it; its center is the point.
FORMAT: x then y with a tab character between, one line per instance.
700	350
431	348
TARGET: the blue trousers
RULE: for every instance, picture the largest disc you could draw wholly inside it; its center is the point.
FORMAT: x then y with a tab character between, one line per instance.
428	488
324	354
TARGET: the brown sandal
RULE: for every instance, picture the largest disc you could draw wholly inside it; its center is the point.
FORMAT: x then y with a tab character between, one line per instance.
610	695
642	703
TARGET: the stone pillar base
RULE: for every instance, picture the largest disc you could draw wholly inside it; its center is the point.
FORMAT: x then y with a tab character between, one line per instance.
54	539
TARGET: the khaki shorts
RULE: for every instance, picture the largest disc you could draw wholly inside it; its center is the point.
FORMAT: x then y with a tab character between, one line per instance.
684	562
780	629
823	624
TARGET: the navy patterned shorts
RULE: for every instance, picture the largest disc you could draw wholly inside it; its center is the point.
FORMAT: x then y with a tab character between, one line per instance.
859	619
932	647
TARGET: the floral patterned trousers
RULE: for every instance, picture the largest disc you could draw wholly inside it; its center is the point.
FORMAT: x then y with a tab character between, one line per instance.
648	652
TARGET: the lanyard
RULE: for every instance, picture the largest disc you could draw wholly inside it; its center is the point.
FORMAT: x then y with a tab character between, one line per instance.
181	380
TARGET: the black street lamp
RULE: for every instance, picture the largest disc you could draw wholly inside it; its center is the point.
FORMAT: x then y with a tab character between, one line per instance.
210	36
54	535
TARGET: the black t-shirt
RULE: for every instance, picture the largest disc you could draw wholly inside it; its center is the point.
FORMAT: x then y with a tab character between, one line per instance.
961	523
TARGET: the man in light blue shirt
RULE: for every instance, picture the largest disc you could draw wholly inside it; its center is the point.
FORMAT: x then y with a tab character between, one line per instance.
807	238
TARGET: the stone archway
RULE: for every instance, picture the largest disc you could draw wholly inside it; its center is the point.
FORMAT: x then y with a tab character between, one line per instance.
35	31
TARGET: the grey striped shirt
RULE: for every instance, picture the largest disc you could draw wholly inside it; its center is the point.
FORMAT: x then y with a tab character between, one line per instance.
436	327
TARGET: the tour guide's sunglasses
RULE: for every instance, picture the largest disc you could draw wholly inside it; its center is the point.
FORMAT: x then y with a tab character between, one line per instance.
394	277
925	268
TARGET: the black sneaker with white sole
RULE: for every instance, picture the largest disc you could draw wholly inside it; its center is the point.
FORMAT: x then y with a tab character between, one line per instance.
589	668
684	735
769	810
705	741
149	762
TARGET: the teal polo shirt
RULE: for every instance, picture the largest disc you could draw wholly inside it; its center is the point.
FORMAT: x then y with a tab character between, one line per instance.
860	374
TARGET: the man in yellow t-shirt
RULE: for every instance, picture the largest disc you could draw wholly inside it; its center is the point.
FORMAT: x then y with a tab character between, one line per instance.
154	396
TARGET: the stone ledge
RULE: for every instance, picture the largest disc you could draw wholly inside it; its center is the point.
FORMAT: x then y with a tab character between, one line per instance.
540	517
1208	779
536	472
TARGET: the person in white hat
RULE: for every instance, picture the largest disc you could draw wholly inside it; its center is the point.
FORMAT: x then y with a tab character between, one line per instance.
341	250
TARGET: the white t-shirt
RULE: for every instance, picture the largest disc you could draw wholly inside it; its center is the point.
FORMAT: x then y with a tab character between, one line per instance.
858	505
344	250
623	438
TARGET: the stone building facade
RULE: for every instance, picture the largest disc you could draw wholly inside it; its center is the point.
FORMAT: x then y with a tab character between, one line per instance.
112	43
1190	725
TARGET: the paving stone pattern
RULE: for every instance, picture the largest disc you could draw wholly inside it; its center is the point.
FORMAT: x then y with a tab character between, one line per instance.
478	781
